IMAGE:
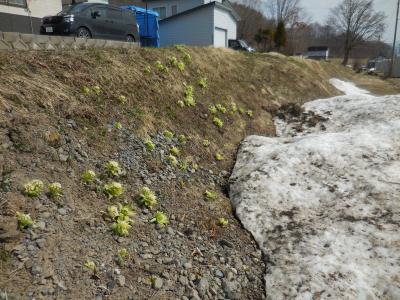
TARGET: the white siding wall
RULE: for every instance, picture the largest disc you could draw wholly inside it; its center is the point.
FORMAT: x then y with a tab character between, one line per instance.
182	5
38	8
224	20
194	29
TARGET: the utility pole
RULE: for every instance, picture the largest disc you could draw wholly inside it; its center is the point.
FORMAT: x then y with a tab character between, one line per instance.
394	42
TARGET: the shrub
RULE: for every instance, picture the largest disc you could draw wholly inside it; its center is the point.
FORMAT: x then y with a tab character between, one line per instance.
189	100
149	145
203	82
219	157
221	108
160	218
168	134
88	176
97	90
113	189
122	99
206	143
34	188
218	122
172	160
212	109
55	190
24	220
174	151
210	195
147	197
112	168
223	222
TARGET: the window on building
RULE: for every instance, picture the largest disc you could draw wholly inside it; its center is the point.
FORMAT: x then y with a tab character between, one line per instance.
162	11
21	3
174	10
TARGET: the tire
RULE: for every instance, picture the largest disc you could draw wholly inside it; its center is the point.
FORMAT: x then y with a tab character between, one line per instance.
130	38
84	33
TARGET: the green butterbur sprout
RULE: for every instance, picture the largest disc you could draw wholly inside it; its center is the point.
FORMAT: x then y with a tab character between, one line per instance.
86	90
90	265
221	108
182	139
55	190
125	212
173	61
118	125
184	165
121	227
160	67
219	157
149	145
212	109
234	107
173	161
122	99
113	189
189	100
223	222
147	197
187	57
195	166
88	176
181	103
210	195
113	211
181	66
34	188
147	70
97	90
112	168
206	143
160	218
174	151
121	255
242	110
203	83
24	220
249	113
168	134
218	122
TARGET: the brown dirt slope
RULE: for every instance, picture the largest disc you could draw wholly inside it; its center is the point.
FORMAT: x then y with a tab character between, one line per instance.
53	130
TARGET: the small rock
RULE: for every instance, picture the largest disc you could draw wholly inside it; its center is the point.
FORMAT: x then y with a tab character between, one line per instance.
62	211
41	225
36	270
183	280
120	280
187	265
203	286
219	273
157	283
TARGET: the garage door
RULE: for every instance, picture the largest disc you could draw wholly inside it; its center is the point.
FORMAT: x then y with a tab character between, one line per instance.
220	37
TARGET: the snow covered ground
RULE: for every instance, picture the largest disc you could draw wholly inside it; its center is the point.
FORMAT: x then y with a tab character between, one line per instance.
324	205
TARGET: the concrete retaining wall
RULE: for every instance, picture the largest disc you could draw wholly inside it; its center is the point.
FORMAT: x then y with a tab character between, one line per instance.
24	41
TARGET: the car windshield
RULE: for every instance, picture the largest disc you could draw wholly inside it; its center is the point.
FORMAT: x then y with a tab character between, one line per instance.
243	44
72	9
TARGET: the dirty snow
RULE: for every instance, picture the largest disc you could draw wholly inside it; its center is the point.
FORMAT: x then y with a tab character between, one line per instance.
324	206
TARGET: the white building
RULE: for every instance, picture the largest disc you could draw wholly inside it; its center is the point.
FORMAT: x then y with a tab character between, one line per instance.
195	22
25	15
319	52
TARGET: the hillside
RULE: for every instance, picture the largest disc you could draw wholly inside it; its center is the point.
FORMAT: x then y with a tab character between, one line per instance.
63	113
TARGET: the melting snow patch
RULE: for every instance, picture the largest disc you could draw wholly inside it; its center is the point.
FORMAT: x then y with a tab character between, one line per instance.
325	206
348	88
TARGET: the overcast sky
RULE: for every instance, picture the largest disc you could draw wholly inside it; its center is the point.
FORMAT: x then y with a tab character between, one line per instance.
318	10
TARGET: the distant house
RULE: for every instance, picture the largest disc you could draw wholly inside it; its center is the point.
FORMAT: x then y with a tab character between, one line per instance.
195	22
25	16
319	53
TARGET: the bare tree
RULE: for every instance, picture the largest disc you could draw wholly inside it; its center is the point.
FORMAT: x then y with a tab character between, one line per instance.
357	21
286	11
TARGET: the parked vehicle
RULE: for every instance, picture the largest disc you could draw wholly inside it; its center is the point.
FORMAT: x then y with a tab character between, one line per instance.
92	20
240	45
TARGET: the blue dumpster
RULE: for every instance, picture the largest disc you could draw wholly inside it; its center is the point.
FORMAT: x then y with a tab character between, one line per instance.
148	25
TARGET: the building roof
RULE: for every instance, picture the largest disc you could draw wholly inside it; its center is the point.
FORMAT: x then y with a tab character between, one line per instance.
318	48
225	6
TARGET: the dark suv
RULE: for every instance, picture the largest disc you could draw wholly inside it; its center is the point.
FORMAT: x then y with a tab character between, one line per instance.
91	20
